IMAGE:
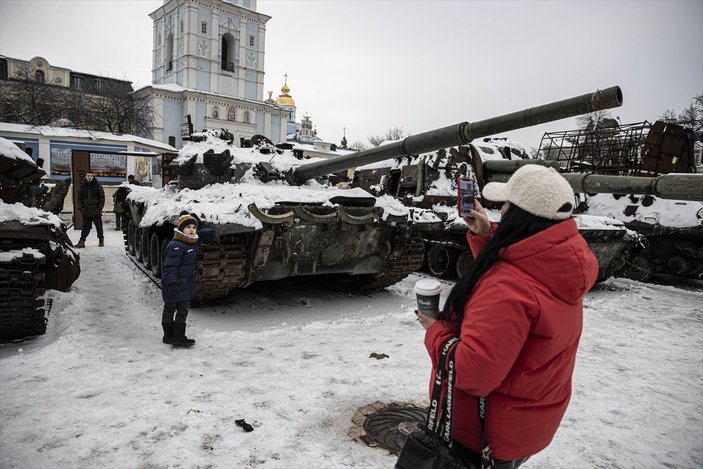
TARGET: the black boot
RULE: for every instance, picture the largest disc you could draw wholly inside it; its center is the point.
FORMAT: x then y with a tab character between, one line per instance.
179	338
168	331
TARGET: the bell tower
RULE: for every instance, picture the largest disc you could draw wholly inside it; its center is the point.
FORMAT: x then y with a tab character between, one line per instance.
215	46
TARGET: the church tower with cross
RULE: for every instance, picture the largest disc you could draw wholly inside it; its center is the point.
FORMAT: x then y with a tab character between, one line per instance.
208	69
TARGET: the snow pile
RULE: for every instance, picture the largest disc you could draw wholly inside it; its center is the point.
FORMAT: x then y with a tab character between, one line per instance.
27	215
9	256
671	213
593	222
10	150
228	203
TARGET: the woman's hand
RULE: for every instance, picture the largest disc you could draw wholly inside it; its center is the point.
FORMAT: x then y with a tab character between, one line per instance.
479	224
425	321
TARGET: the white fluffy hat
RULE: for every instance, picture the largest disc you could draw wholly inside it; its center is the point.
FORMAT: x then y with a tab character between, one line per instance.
536	189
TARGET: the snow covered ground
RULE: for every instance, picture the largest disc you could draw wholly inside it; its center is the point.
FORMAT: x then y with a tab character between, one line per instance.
101	390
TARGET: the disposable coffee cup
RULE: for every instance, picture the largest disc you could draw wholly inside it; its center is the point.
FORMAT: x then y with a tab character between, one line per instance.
427	291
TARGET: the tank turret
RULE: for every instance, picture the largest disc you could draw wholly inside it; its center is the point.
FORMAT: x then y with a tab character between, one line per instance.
277	215
35	252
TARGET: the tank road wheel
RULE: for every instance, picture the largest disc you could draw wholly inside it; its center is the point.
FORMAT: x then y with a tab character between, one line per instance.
138	244
640	269
130	237
155	255
441	261
146	244
463	263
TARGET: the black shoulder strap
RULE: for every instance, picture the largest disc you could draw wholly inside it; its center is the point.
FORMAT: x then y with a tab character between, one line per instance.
486	458
436	411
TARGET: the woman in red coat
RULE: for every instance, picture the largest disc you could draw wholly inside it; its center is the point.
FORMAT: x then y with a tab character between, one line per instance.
518	312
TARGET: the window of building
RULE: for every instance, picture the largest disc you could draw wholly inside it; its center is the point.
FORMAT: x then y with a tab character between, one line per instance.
227	52
169	52
203	27
77	83
180	26
251	40
158	39
39	76
247	117
172	140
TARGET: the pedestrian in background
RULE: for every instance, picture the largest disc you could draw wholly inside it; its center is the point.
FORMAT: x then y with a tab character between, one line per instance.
131	180
119	206
178	278
92	201
518	312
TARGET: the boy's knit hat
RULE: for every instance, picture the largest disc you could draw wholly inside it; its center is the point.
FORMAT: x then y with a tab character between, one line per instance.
536	189
186	220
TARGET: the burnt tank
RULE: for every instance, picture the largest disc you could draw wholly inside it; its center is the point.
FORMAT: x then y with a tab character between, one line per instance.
429	181
660	198
35	251
276	216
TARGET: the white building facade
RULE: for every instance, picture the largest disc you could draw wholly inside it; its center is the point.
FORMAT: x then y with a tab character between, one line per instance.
208	63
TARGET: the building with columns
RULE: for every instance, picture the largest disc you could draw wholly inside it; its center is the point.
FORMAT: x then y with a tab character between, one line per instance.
208	63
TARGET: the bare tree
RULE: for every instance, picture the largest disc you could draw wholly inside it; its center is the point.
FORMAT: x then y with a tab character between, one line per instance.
669	116
392	133
110	107
114	108
23	100
358	145
692	116
593	120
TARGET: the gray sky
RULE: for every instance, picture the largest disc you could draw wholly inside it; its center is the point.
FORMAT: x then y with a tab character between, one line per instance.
370	65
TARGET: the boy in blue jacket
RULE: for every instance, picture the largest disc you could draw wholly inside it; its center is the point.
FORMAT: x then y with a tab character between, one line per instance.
178	279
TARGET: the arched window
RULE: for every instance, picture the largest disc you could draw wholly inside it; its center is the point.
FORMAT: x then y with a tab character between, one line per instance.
39	76
169	51
228	52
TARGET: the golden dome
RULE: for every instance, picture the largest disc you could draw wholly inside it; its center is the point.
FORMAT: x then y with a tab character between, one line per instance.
285	99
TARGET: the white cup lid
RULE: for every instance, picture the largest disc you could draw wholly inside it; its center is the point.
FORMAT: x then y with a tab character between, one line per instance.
428	286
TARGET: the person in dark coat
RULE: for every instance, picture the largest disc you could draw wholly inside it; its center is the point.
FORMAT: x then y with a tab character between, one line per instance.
178	278
92	200
119	205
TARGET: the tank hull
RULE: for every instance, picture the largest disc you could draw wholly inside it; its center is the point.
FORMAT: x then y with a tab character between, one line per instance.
35	252
33	259
354	244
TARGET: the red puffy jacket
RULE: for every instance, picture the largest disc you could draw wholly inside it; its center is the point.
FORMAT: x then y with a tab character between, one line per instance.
519	336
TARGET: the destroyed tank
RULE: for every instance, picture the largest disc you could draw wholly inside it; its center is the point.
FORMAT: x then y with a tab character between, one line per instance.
35	251
429	181
277	217
667	210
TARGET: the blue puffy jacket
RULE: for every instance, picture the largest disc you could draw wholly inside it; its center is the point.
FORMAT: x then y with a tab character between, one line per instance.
179	264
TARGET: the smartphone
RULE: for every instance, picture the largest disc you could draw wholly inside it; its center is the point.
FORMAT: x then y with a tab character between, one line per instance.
465	199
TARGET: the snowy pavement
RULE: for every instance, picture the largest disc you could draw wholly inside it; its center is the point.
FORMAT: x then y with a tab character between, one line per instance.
101	390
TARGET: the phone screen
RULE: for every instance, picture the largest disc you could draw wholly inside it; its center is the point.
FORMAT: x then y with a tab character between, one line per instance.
466	196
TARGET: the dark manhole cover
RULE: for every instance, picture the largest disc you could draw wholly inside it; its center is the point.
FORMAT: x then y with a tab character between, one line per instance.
387	425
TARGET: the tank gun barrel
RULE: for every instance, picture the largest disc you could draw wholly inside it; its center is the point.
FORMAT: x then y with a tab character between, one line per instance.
463	133
666	186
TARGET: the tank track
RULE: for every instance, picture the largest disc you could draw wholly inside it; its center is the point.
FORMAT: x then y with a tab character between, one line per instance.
221	268
22	311
404	260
